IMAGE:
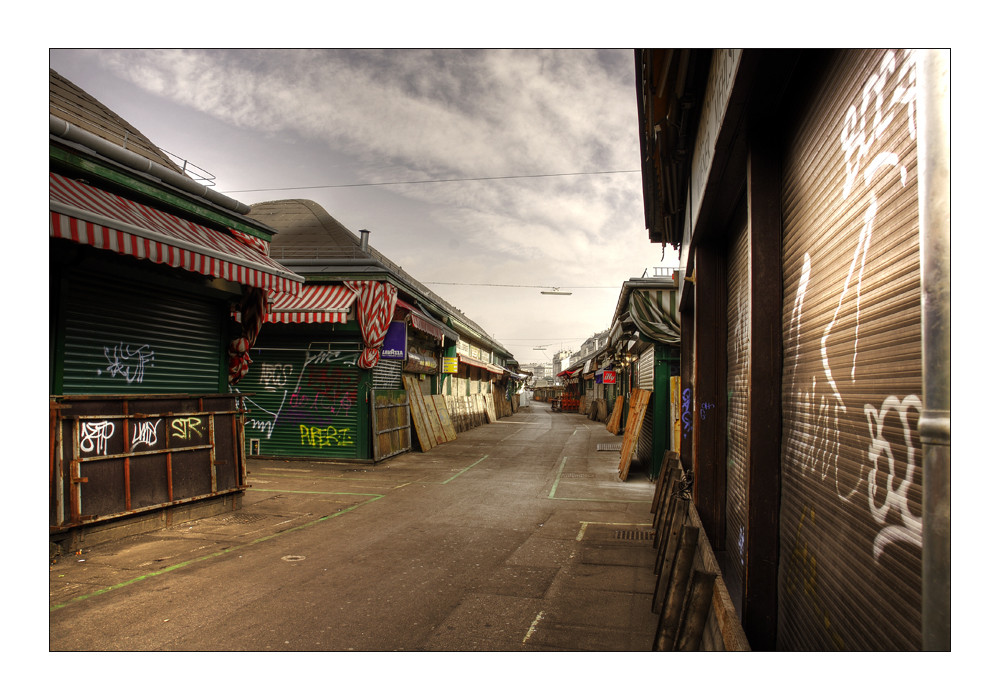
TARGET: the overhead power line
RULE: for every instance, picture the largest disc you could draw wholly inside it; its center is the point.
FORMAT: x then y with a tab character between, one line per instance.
425	182
527	286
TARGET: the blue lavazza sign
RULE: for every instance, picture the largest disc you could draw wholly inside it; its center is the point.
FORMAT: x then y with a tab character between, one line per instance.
394	345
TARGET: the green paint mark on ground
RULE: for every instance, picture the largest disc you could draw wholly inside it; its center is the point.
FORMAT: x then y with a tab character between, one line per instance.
465	470
228	550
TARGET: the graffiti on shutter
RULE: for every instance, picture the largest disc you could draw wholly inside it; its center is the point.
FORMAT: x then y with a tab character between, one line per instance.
850	571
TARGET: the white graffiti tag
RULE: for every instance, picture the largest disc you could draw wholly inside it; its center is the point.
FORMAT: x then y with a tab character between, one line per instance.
94	436
144	433
888	477
128	363
822	437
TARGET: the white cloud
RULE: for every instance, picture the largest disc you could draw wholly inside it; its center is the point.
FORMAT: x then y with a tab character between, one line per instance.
398	115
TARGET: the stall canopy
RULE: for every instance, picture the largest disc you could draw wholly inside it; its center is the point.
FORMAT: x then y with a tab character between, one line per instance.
320	303
491	368
91	216
654	312
420	321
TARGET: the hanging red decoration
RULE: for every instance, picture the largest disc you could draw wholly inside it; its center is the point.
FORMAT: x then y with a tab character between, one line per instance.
376	304
253	306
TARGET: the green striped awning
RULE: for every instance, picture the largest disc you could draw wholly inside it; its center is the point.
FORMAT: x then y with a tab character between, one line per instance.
655	314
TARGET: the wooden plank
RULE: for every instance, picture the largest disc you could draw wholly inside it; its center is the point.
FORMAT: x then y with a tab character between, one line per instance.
451	406
425	434
637	412
665	468
434	419
677	588
698	605
491	407
390	422
614	424
442	412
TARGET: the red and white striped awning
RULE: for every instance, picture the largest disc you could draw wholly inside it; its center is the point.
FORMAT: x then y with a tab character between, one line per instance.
88	215
318	303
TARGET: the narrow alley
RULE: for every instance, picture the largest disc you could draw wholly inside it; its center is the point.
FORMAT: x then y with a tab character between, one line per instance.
518	535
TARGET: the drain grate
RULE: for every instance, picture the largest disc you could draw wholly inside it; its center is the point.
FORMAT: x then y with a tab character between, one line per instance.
635	535
243	518
609	447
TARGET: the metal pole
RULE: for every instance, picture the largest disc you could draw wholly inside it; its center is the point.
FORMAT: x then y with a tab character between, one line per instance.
934	178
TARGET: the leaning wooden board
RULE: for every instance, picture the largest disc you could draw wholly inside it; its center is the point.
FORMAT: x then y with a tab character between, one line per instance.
615	421
421	421
442	412
636	413
435	420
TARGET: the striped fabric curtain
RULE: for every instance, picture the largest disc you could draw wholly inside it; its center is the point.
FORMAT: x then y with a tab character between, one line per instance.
656	315
252	307
375	306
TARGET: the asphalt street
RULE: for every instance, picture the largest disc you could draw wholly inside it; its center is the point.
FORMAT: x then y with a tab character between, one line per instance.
517	536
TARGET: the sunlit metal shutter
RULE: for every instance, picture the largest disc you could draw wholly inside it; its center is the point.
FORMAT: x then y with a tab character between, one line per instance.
737	429
128	337
304	402
647	366
850	563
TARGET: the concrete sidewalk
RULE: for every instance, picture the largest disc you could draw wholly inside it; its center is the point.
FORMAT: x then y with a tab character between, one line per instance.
516	536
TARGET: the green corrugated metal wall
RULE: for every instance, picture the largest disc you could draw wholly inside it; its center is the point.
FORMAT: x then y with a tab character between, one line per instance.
126	337
307	400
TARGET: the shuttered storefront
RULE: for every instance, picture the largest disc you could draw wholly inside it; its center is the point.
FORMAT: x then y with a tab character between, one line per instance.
850	562
647	381
737	413
306	401
127	337
647	367
388	374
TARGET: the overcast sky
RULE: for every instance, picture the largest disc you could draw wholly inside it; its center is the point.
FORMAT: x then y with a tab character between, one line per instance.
276	124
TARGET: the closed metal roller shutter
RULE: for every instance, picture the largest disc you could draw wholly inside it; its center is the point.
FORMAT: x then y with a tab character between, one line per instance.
388	374
644	448
737	428
304	402
850	564
647	366
130	338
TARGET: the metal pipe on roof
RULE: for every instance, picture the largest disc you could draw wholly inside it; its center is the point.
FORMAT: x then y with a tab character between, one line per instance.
64	130
323	262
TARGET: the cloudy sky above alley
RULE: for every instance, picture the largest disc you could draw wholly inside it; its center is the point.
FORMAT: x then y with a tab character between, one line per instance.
522	164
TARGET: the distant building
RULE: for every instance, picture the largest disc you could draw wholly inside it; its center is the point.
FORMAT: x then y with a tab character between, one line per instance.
362	326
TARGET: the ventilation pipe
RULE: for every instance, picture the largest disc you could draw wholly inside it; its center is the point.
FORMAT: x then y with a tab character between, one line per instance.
364	240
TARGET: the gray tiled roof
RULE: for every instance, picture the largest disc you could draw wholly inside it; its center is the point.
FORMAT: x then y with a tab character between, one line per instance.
306	231
71	104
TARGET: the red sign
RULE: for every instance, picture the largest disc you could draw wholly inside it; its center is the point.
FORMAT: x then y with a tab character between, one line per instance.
609	377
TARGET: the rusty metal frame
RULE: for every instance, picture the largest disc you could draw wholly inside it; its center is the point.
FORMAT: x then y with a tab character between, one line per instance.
67	472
